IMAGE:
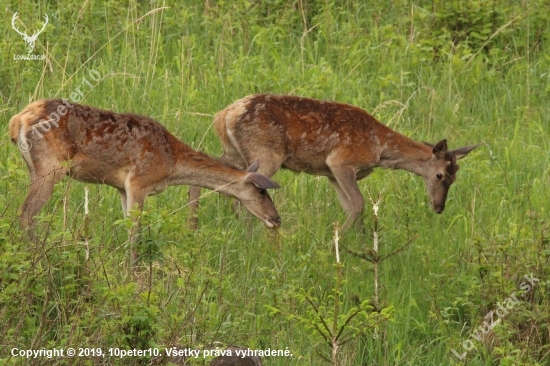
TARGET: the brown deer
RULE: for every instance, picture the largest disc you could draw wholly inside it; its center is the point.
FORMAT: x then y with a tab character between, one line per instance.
339	141
133	153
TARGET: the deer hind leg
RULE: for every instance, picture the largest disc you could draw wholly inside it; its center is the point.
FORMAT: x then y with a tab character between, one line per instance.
193	197
46	175
349	195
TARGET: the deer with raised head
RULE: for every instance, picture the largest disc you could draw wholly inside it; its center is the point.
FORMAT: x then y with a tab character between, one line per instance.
339	141
133	153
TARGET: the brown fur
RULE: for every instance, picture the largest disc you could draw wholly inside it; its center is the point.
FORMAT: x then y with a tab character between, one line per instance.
132	153
339	141
32	112
14	127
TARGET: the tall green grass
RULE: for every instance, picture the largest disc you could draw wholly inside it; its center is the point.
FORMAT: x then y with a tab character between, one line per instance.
182	62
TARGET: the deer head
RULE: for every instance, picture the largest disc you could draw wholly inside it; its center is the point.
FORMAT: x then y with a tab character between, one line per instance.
440	172
31	40
253	195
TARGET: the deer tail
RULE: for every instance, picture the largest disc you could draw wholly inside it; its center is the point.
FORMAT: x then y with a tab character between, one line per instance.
221	129
15	127
26	118
226	120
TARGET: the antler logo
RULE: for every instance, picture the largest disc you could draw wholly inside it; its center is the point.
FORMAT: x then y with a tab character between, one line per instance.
30	40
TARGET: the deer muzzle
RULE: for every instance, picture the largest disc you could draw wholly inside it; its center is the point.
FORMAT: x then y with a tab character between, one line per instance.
273	222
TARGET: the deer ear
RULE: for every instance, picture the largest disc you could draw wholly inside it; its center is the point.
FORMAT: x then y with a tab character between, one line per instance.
463	151
261	181
253	168
440	147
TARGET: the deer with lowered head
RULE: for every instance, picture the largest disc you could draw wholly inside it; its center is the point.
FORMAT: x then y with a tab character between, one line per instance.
339	141
133	153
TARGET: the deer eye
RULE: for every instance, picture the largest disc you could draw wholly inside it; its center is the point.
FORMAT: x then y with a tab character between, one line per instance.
262	191
439	176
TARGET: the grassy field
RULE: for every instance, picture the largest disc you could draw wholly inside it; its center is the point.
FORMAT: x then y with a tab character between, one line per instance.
470	71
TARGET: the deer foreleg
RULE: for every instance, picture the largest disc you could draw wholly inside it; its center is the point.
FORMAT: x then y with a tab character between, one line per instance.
134	197
349	195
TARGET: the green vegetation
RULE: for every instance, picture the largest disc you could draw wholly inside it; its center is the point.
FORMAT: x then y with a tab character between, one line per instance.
467	70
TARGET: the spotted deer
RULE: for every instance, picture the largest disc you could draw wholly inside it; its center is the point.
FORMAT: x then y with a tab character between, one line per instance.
339	141
133	153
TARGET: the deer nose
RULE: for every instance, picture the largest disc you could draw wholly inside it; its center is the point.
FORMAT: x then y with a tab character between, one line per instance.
273	222
437	207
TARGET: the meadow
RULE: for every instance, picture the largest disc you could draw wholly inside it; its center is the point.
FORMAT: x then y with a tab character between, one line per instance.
470	71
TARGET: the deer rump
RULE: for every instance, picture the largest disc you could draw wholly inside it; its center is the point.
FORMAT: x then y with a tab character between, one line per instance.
101	146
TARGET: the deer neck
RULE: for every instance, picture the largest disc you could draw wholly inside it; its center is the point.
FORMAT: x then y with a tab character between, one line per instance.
401	152
197	169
